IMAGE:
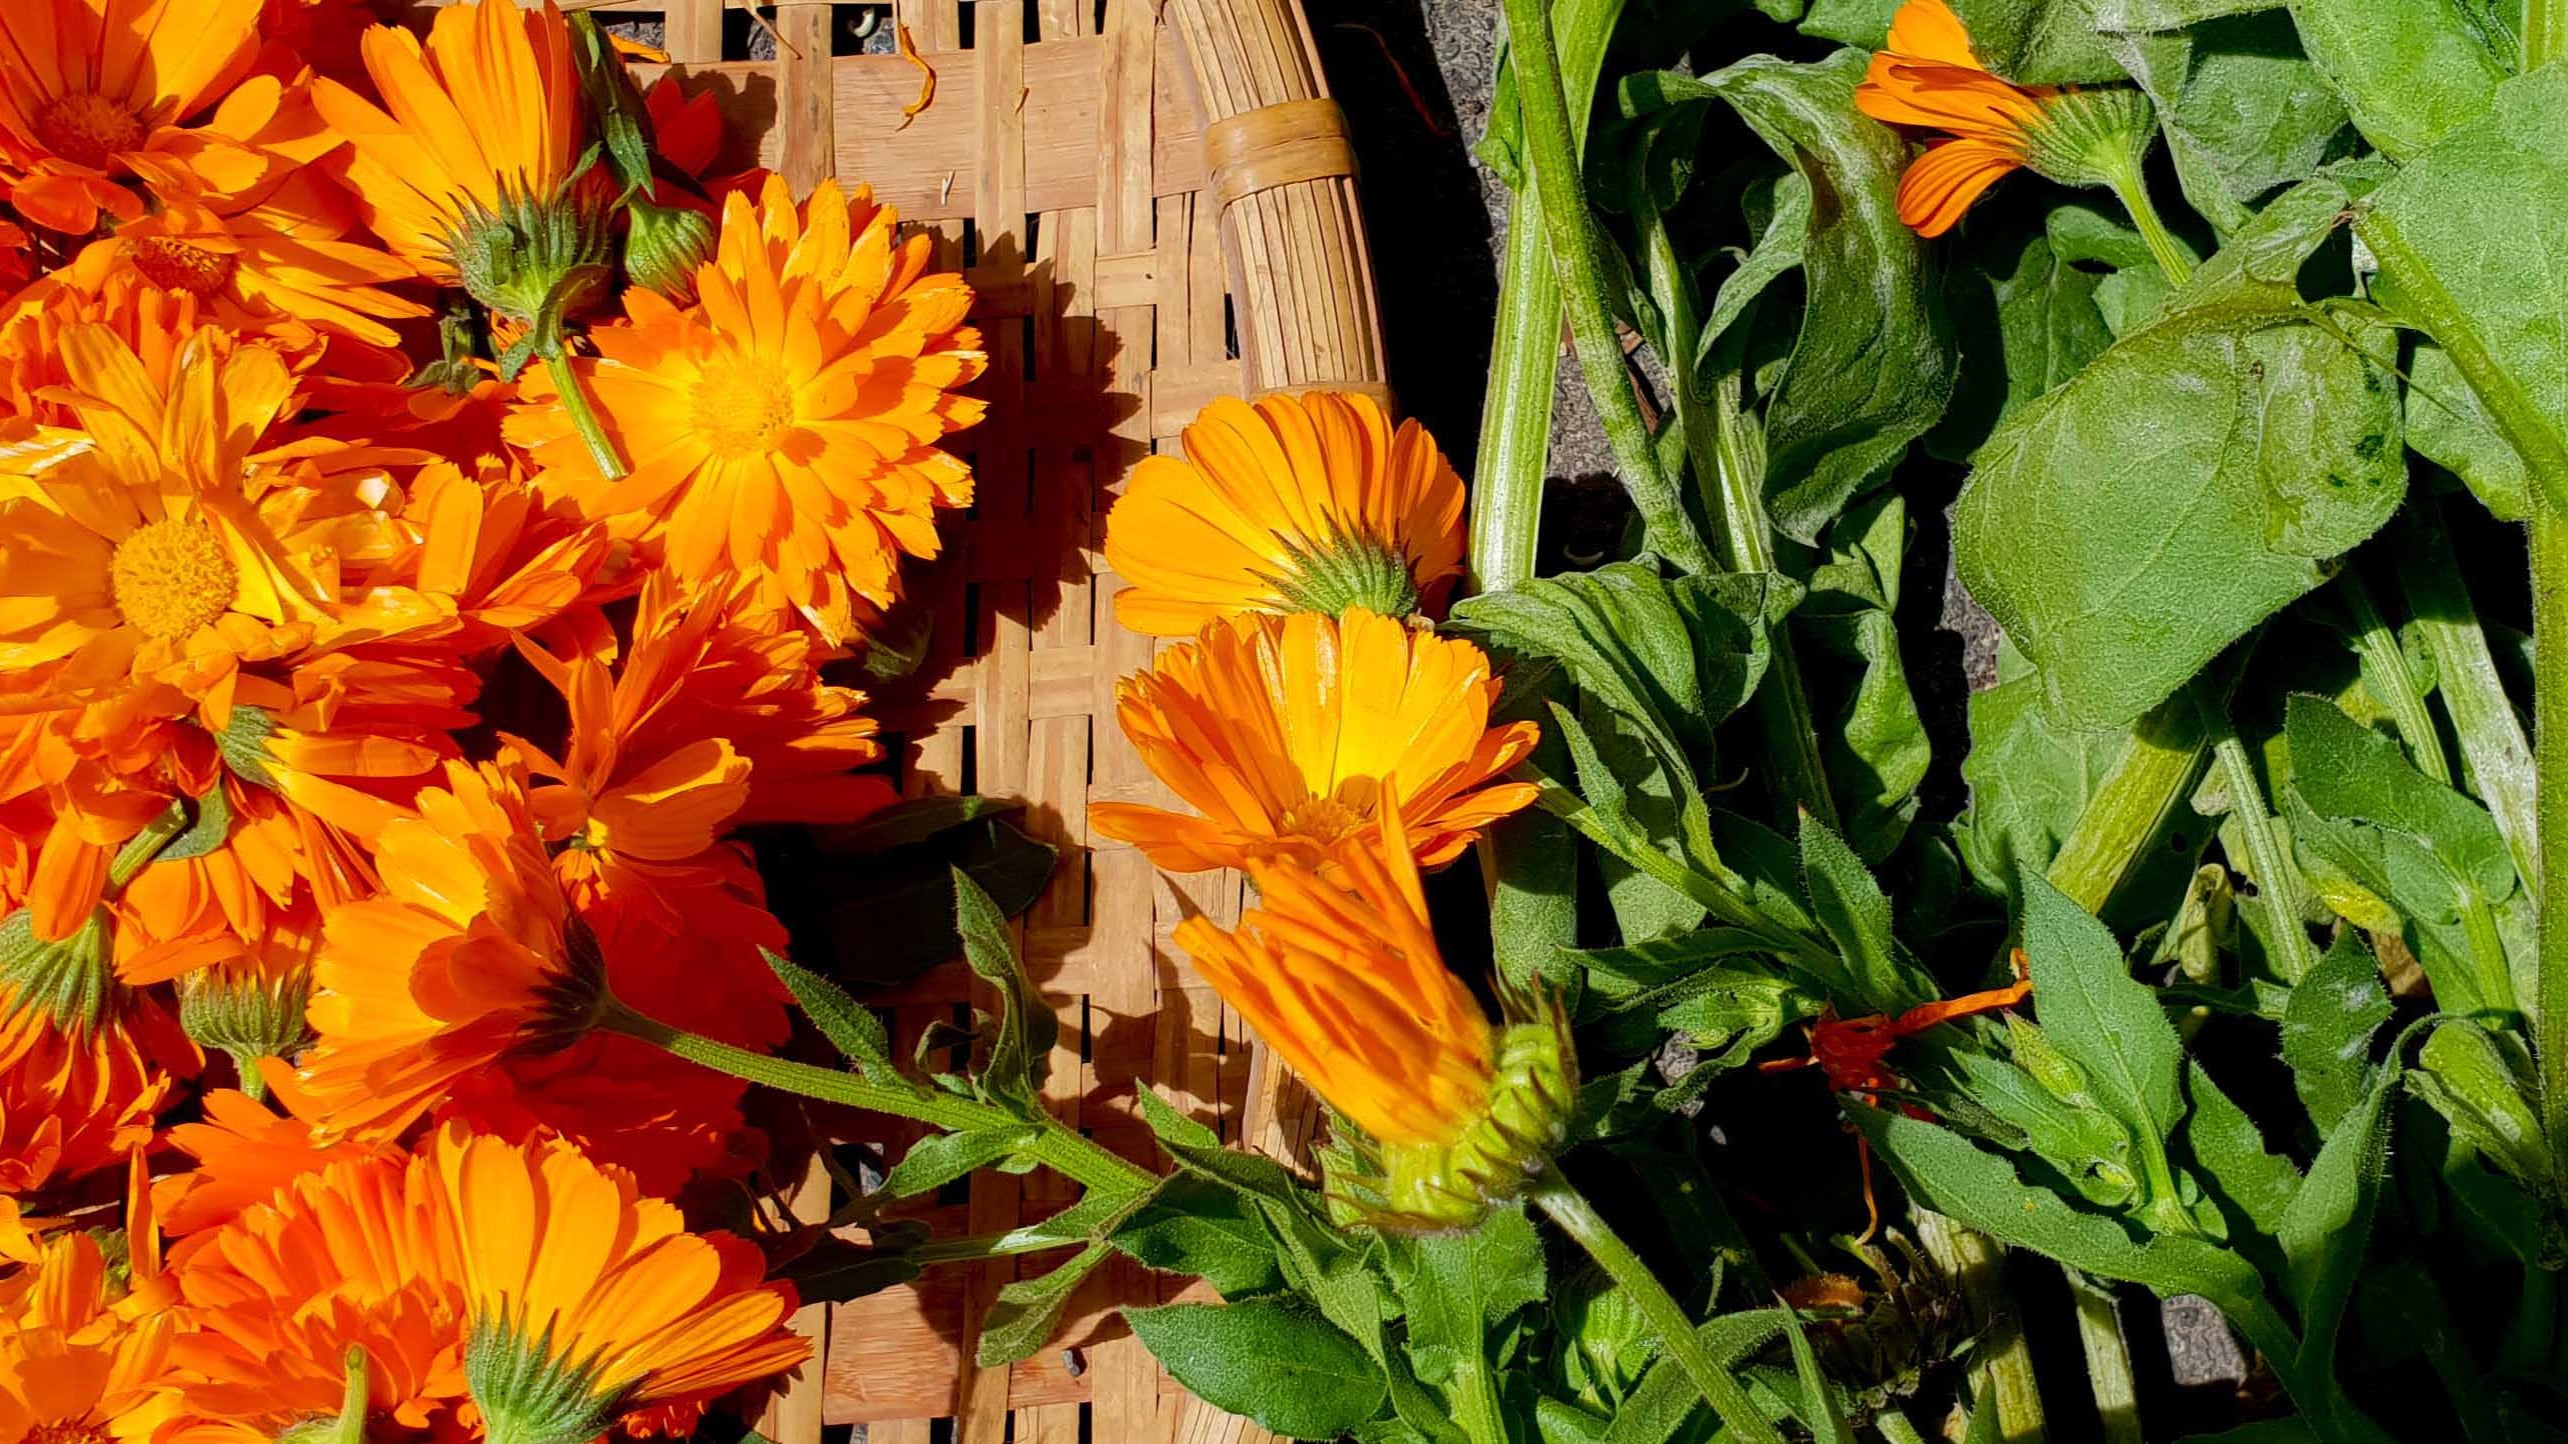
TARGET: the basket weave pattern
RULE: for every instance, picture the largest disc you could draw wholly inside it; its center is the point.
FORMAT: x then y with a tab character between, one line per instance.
1152	199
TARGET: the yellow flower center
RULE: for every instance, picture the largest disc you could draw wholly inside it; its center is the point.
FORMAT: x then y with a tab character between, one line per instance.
177	266
171	577
739	410
1321	819
88	128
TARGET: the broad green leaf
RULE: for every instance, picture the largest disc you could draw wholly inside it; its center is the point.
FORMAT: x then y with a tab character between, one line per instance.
2411	71
1462	1284
1203	1229
2027	322
2037	42
2088	1146
2098	1016
2135	15
2328	1027
2489	282
941	1158
1650	796
1274	1362
2449	426
1855	914
1947	1173
1021	1052
2466	1076
2328	1227
899	902
1874	364
850	1026
1851	22
912	820
2247	446
1778	252
1028	1310
2242	109
2251	1185
1872	739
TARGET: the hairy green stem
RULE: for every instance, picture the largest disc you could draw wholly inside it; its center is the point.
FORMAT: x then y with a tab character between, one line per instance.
1554	1194
2483	716
2386	677
2144	787
575	404
2108	1358
2276	892
2545	32
2132	189
2002	1369
1894	1426
1799	773
1580	252
2550	762
1056	1146
1516	414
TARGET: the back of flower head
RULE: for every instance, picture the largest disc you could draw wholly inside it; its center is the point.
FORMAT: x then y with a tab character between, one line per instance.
1442	1111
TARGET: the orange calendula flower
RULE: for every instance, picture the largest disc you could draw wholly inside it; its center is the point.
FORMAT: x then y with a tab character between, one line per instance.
245	1155
1307	503
1289	731
469	954
96	92
79	1092
1930	79
1339	972
589	1301
359	1254
785	427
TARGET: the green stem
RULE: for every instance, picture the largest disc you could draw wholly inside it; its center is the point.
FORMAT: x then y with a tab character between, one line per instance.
1720	1389
2108	1357
1516	415
2545	32
2386	677
2276	892
2483	716
1799	773
1580	252
2146	784
575	404
2132	189
1894	1426
2550	763
146	844
1057	1147
2002	1369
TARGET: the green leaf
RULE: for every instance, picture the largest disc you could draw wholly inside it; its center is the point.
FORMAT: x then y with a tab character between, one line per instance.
1203	1229
2098	1015
2411	71
1872	738
2449	426
210	828
1819	1412
1274	1362
1944	1171
941	1158
1460	1285
2242	108
2037	42
2027	323
2252	1185
1777	253
850	1026
1198	1151
834	1270
1855	914
2328	1027
896	901
242	744
1021	1052
2247	446
1666	1396
2088	1146
2468	1079
2328	1226
1028	1310
1851	22
2356	801
1874	364
913	820
2488	286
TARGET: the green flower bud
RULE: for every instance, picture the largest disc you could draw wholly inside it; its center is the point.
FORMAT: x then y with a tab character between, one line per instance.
664	247
247	1018
68	979
534	261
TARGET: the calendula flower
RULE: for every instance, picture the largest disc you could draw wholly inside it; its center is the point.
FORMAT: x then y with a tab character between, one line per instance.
1296	731
783	429
590	1301
96	92
470	171
357	1254
73	1103
469	954
279	263
1929	78
1300	503
245	1154
1339	972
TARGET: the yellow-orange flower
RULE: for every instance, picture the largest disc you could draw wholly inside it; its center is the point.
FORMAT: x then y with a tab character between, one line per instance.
81	1346
784	428
360	1252
1287	732
486	113
76	1100
1929	78
245	1155
1311	502
98	91
589	1300
470	953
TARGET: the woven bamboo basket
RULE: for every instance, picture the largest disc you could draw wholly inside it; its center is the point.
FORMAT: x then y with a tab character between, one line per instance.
1154	200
